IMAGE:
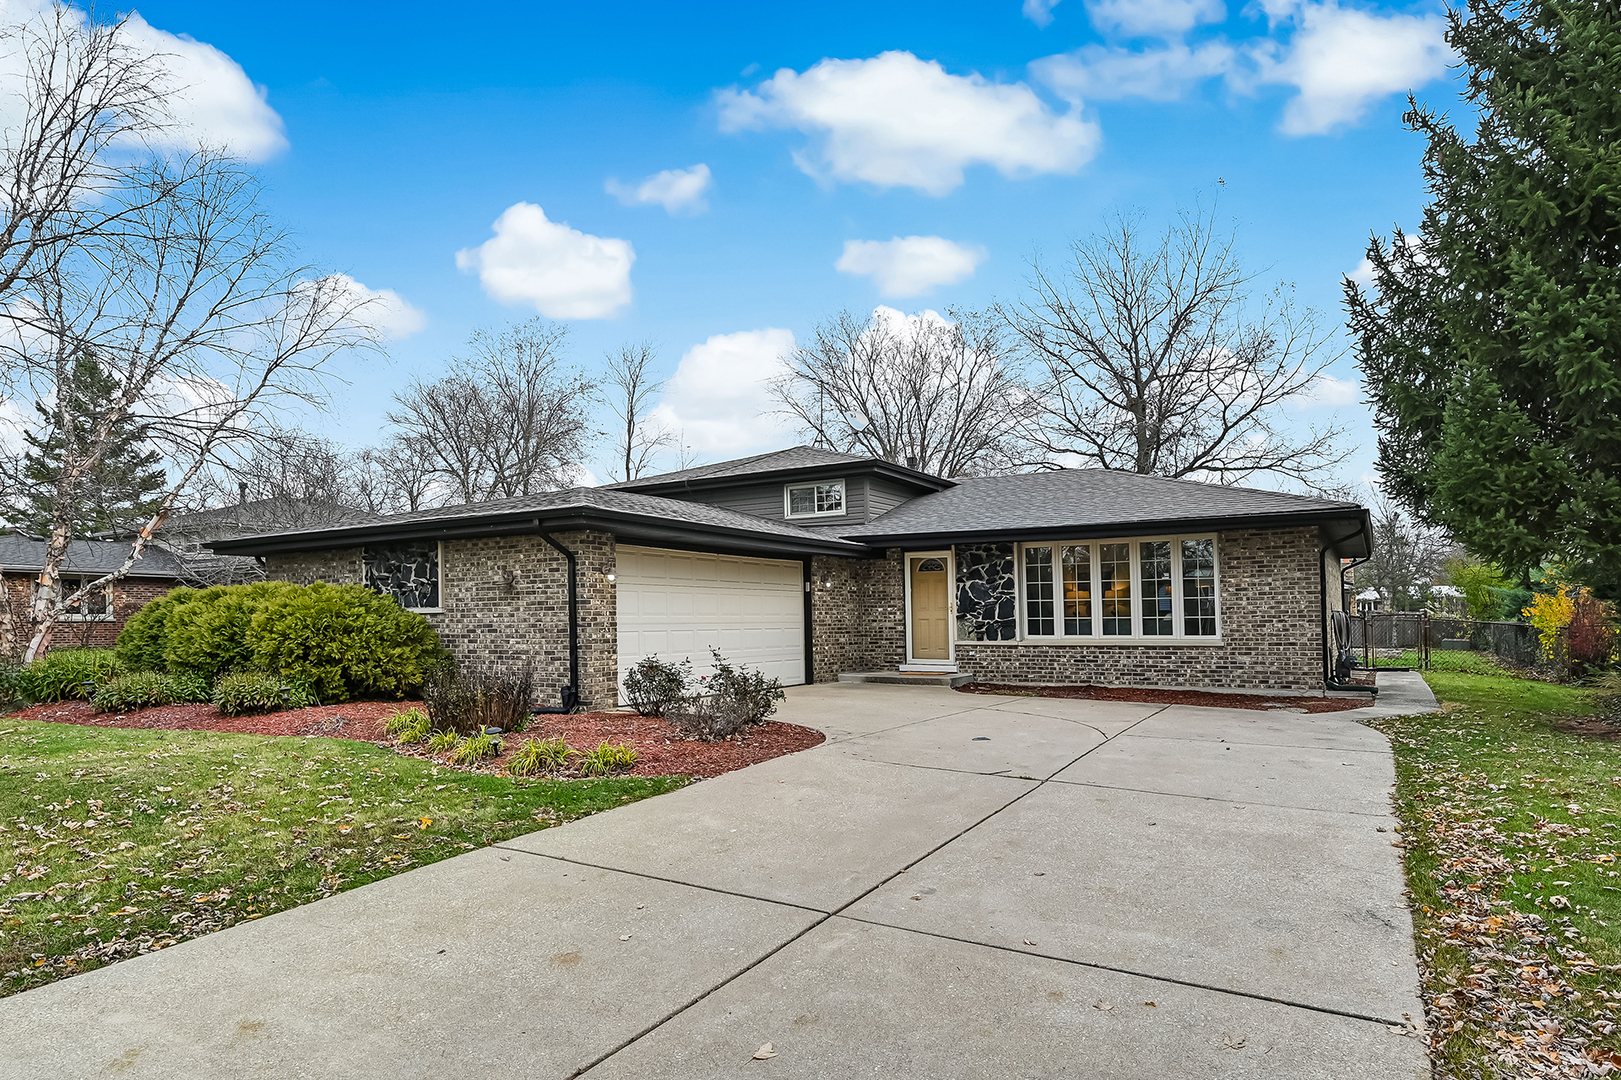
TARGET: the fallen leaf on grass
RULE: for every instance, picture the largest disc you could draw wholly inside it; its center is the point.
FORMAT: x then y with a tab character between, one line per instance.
423	823
764	1053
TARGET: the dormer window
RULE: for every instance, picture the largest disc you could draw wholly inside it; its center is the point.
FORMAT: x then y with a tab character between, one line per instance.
815	500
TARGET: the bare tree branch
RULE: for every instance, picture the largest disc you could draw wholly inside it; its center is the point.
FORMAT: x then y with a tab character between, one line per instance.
638	437
1152	364
934	394
507	420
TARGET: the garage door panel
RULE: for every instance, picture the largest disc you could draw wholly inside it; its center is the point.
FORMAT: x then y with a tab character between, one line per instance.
678	605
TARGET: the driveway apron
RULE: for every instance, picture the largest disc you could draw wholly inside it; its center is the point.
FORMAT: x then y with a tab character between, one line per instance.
954	885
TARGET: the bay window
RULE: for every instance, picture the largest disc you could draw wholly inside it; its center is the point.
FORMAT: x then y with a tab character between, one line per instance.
1131	589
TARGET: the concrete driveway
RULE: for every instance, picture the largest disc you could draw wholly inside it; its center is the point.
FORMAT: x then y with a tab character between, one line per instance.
952	886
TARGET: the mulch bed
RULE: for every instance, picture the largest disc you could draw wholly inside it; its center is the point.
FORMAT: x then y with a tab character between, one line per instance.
661	748
1175	697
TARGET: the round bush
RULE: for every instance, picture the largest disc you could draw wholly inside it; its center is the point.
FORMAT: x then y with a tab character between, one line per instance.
144	642
341	640
209	634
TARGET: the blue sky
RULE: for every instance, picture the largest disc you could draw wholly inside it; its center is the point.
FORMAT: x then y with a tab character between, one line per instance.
394	139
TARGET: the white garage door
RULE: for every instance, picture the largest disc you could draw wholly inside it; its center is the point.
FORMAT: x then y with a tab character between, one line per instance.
678	604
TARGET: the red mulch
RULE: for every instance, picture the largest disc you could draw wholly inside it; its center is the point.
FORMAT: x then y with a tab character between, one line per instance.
662	750
1175	697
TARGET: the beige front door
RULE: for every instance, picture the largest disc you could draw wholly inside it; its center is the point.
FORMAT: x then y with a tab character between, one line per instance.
931	607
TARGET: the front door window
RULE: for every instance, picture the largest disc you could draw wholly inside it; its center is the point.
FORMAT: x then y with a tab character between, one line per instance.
930	608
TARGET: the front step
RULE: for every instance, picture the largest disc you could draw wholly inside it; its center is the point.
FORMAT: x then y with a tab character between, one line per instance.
909	678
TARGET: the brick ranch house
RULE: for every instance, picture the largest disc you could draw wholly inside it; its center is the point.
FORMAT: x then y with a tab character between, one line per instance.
809	563
97	621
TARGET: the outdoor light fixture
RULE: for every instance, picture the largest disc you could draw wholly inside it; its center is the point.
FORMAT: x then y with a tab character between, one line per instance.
610	578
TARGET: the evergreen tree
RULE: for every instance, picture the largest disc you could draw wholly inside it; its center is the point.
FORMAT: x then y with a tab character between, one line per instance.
1491	341
118	495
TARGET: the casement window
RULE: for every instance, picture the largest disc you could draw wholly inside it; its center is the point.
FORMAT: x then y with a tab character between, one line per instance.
408	571
1121	589
95	606
814	500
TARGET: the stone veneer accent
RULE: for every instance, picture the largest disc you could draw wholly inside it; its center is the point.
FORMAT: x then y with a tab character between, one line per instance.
504	600
1271	632
857	614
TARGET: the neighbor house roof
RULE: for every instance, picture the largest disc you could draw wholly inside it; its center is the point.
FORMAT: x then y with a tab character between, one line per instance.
262	515
629	515
27	555
790	464
1098	502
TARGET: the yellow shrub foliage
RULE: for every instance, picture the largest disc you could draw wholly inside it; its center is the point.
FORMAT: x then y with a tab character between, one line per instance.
1550	613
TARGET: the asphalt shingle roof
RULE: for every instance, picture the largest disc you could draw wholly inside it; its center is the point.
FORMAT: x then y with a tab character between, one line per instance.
1081	499
795	457
581	498
20	553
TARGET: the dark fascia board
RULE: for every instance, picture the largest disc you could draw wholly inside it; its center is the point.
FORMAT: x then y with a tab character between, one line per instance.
888	470
633	527
137	575
1336	527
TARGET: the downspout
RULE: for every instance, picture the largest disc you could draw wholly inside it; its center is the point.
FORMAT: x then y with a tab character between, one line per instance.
1322	610
573	688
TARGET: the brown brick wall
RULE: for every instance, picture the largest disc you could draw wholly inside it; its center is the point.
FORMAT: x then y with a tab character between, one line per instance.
505	602
1271	633
857	614
129	596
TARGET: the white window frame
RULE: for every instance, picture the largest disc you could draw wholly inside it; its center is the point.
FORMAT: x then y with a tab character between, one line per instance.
1178	633
788	500
62	592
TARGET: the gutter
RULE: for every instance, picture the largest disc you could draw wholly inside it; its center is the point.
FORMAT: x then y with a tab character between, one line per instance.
571	692
1110	530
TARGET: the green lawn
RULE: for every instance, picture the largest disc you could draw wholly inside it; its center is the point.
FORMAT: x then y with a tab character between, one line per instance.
1512	830
1464	660
116	842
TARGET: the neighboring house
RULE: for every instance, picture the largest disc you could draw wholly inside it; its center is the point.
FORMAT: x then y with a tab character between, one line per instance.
97	621
809	563
189	535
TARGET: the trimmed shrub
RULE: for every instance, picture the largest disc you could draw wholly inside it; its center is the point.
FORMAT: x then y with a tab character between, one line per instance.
241	692
344	639
143	643
69	674
749	690
653	687
210	632
147	690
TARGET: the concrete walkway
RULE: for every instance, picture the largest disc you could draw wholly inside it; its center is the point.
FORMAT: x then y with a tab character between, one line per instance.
952	886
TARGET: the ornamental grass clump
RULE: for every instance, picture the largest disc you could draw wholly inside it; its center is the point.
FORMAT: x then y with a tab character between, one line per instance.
409	726
539	756
607	758
475	749
441	741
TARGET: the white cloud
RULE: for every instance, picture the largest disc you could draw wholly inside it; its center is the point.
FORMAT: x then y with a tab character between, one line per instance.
897	121
910	265
719	400
384	310
1363	274
679	191
1103	73
1040	12
1332	392
564	273
1153	18
212	101
1342	60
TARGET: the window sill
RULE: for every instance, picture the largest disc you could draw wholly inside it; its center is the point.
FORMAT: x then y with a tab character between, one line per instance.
84	618
427	610
1195	641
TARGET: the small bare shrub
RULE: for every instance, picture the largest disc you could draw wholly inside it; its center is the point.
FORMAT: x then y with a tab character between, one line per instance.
654	687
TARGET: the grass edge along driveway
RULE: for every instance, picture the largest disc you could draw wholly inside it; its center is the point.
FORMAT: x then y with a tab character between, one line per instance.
1511	834
116	842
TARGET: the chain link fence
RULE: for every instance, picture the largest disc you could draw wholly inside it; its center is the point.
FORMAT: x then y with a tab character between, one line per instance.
1422	641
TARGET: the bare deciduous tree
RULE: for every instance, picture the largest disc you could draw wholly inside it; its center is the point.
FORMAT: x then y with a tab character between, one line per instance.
295	480
82	89
195	309
931	393
637	436
507	420
1151	362
394	478
1407	556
